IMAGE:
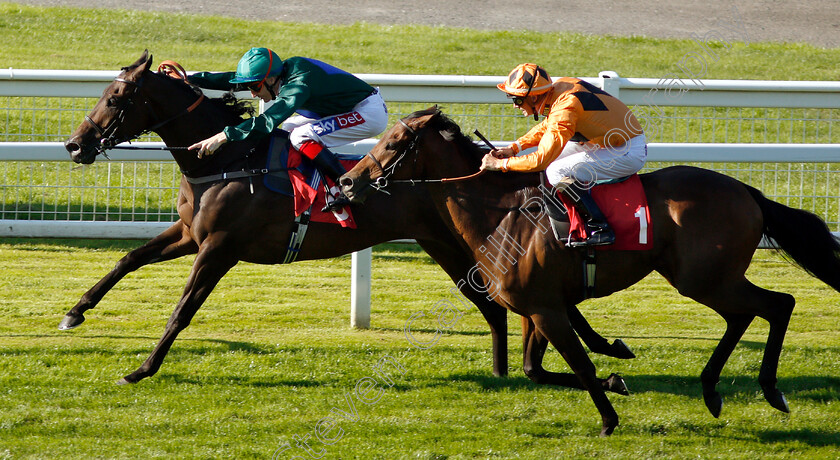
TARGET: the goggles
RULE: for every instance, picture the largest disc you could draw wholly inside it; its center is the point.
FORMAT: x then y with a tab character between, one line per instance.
517	100
256	86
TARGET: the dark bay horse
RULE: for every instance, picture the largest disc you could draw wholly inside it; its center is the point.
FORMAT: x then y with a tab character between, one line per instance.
224	222
706	227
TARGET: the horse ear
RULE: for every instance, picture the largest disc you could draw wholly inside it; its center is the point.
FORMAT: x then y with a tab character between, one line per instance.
148	64
142	64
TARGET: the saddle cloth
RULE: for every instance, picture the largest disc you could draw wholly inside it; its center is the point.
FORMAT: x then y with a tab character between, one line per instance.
625	206
292	174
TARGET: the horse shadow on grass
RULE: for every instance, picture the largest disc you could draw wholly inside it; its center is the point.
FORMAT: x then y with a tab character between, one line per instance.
237	380
820	389
817	388
210	345
428	330
806	436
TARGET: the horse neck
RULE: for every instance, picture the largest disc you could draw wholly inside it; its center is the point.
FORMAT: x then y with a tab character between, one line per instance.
405	213
186	128
478	209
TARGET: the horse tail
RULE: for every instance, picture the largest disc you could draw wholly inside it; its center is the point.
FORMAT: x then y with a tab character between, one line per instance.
803	237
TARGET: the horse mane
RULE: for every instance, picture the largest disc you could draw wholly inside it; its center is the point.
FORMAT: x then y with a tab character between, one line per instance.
227	102
230	103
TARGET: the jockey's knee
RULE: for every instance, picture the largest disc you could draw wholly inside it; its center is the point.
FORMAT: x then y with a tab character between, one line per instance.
302	135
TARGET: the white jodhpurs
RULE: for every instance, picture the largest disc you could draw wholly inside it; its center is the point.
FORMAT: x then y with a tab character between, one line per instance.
589	163
367	119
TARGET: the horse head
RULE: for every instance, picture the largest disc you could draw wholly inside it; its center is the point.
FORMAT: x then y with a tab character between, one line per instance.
134	103
112	117
416	149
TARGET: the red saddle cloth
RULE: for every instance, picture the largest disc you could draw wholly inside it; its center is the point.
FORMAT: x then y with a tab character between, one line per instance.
624	204
309	193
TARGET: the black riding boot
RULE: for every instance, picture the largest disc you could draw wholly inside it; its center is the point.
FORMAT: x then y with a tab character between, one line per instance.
598	231
329	166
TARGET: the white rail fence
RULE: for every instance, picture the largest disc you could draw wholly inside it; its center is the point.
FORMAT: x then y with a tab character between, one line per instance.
782	137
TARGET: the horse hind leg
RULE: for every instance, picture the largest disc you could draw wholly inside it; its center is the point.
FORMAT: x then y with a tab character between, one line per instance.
736	325
767	376
739	304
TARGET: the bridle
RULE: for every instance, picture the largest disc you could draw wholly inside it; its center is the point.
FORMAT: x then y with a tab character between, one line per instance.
382	181
108	133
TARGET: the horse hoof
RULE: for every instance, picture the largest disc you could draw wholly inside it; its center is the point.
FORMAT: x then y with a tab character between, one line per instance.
123	381
607	430
70	322
714	403
620	350
615	383
777	400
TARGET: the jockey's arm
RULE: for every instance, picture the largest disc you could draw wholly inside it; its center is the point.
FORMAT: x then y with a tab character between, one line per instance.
214	80
289	99
553	134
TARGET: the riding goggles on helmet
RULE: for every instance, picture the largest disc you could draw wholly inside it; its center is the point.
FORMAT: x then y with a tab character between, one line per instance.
517	100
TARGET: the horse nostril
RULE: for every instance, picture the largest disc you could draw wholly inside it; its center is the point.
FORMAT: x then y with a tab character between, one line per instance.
72	147
346	184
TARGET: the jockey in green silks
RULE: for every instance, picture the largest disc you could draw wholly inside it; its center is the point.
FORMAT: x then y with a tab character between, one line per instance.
333	107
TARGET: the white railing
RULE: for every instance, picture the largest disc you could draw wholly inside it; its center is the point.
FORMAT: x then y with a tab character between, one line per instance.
687	120
790	138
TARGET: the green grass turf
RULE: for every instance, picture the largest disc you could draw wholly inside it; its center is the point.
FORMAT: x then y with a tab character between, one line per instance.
270	354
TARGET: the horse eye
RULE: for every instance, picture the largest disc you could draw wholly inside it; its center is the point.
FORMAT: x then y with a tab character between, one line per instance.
112	102
391	146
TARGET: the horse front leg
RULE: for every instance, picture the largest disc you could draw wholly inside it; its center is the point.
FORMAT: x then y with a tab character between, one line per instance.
534	345
211	264
174	242
496	317
555	326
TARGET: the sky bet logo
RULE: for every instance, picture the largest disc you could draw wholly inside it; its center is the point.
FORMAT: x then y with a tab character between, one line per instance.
333	124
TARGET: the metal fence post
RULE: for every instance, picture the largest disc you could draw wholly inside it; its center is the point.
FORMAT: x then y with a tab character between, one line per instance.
360	289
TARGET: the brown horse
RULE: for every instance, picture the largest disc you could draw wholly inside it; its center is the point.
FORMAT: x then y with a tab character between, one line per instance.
225	221
706	227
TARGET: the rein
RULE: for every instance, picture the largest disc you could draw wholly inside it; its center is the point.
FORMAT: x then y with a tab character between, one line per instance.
444	180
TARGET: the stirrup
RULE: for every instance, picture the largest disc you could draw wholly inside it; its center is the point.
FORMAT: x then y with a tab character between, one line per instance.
600	238
336	204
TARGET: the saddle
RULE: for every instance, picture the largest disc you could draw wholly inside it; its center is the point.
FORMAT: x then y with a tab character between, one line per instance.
292	174
622	201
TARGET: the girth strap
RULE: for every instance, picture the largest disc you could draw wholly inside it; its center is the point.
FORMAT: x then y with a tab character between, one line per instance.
298	233
227	175
589	273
